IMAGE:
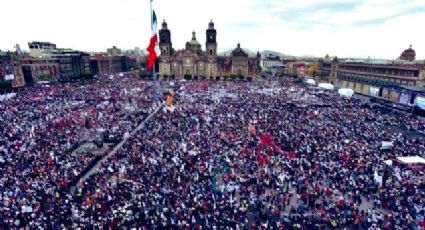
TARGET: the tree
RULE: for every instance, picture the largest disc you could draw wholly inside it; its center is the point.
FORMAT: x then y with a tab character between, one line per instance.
5	86
233	76
87	75
43	77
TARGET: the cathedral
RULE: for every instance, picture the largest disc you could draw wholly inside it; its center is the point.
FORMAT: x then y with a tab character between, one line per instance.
193	61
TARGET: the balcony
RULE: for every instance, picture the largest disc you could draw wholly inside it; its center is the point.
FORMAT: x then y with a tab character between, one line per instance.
380	75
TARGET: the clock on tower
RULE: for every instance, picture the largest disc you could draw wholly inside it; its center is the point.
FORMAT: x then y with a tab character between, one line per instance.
211	36
211	39
211	33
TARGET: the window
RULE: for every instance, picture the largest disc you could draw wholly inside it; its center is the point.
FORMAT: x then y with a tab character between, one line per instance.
211	52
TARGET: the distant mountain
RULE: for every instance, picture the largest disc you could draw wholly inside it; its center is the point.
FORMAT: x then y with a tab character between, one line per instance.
271	52
228	52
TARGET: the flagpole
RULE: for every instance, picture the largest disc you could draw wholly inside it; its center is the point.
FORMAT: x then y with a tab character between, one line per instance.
151	14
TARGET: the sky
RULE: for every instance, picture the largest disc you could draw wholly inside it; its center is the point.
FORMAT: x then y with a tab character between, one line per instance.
343	28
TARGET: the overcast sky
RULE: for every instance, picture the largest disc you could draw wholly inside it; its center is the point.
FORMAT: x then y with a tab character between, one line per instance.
346	28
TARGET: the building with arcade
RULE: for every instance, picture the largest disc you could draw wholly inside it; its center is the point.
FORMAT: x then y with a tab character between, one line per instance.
399	80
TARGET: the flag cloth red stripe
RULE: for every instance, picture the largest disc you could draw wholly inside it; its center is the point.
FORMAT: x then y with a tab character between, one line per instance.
152	54
153	48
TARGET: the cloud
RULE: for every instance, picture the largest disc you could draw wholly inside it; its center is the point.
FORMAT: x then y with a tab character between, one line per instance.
381	20
376	28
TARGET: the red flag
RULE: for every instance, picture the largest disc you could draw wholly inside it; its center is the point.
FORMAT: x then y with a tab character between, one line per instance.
266	139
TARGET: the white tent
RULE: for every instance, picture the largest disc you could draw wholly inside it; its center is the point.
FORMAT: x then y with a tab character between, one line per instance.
387	145
411	160
9	77
311	82
346	92
326	86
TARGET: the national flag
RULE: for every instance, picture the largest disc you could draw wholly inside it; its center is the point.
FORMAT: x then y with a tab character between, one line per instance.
153	47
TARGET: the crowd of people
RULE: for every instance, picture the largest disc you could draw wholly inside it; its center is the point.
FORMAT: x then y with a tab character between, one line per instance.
42	127
268	154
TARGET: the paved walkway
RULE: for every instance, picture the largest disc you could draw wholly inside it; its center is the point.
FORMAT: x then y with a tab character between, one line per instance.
118	146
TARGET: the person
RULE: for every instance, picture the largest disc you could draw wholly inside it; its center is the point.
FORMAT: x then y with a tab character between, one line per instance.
309	164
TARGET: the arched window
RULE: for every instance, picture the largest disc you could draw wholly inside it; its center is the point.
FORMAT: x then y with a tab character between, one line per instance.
211	52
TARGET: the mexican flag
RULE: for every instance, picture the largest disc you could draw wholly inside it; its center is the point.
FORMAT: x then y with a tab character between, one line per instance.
153	48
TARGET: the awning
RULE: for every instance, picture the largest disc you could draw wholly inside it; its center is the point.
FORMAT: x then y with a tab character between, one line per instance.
411	160
326	86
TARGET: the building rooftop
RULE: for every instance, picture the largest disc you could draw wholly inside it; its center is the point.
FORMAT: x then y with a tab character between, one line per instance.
194	41
44	43
408	54
239	52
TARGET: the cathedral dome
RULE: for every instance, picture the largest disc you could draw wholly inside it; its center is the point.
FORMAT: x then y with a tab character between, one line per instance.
194	41
239	52
408	54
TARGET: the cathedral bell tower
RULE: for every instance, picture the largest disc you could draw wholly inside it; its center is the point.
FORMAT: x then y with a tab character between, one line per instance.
165	40
211	44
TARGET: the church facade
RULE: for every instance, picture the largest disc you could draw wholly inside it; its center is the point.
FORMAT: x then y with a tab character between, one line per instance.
193	61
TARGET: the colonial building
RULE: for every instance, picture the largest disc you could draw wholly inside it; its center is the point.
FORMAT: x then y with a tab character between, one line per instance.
114	51
385	79
105	64
72	63
296	68
193	61
270	61
80	61
41	49
115	61
10	68
40	69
